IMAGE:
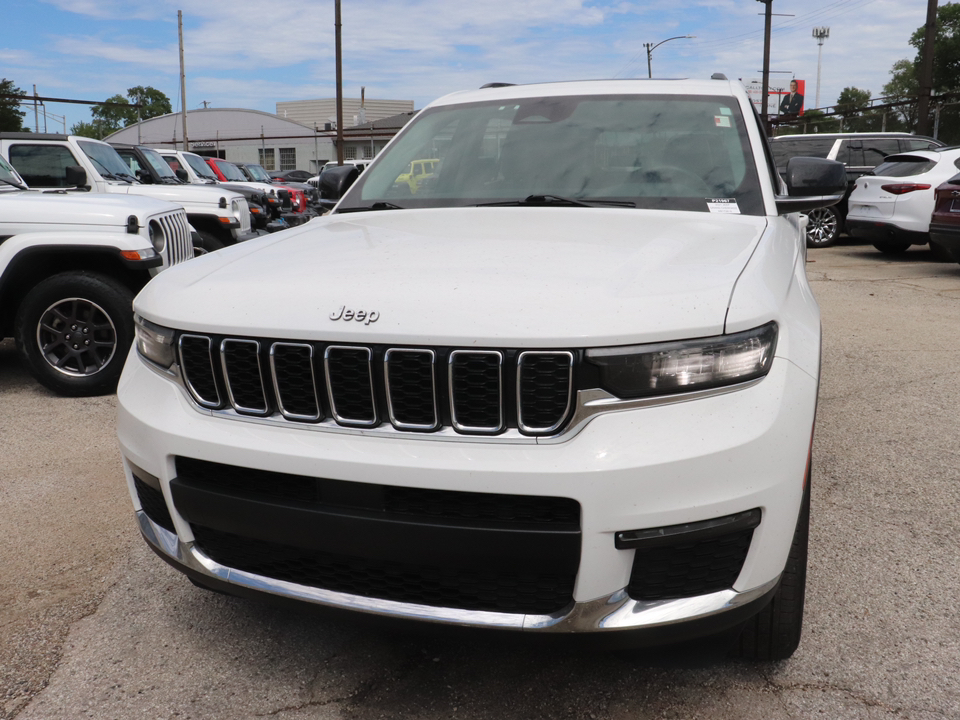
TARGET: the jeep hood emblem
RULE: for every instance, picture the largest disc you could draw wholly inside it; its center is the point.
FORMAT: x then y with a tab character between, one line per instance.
364	316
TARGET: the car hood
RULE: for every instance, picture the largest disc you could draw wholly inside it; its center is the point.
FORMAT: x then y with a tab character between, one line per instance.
194	194
72	209
517	277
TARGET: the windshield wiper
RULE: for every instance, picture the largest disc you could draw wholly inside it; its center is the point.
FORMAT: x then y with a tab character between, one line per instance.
375	206
106	173
544	200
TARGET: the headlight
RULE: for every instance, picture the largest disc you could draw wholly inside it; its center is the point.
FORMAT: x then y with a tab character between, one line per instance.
154	343
641	370
157	236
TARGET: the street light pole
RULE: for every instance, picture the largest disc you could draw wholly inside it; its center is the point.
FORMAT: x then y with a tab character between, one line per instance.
767	22
651	47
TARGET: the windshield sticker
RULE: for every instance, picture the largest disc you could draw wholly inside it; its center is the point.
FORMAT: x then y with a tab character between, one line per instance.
722	120
726	206
726	111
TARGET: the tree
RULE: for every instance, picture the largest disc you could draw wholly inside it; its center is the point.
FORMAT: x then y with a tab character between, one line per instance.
114	117
904	83
96	129
11	116
852	102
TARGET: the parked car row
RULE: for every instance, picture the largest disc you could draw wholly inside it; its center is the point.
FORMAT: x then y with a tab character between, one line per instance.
897	205
859	152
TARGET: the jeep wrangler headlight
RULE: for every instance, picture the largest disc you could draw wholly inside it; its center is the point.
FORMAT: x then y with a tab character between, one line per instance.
157	236
155	343
643	370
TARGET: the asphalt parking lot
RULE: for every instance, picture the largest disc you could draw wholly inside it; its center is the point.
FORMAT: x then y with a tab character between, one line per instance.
94	625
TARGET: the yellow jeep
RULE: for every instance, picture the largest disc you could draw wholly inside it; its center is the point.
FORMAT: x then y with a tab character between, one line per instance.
417	172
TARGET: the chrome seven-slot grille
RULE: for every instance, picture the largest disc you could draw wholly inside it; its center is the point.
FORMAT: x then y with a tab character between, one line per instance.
474	392
176	231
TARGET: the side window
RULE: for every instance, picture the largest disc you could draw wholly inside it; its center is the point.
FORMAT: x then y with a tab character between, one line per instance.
131	160
850	153
42	166
172	162
908	145
875	150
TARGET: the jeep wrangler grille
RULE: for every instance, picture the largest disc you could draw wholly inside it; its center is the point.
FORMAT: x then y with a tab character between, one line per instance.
471	392
176	231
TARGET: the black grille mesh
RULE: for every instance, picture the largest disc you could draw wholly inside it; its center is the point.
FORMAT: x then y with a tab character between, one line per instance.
349	373
518	592
241	358
451	505
151	500
544	389
295	380
686	569
412	389
198	368
476	389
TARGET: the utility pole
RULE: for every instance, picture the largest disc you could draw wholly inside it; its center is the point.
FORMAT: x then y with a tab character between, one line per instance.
339	88
767	22
36	117
926	69
821	34
183	81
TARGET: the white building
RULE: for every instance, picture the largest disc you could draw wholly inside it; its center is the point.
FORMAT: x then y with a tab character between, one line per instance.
253	136
237	135
323	112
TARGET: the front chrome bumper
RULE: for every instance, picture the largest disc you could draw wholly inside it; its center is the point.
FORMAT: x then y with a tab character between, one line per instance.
615	612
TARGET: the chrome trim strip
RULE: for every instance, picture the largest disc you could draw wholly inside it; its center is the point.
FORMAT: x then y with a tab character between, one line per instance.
590	403
373	395
226	376
566	411
614	612
433	388
276	384
186	377
453	411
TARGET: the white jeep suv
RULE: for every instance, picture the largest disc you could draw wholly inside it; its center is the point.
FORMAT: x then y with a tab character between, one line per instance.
569	386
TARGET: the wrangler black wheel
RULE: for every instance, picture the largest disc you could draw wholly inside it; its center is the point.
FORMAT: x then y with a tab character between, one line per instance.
73	331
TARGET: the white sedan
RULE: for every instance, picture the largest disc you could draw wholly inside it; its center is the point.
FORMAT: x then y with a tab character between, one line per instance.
892	206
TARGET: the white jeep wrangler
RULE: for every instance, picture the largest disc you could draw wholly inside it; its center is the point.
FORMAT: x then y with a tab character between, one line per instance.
68	162
569	386
70	265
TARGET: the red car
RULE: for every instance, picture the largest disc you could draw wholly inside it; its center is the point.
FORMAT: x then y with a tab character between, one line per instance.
945	221
228	172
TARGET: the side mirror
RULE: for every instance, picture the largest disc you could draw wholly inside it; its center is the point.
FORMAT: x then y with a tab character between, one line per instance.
76	176
144	177
182	175
812	183
336	180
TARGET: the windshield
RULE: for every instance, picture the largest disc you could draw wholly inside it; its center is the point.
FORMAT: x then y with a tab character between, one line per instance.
157	163
652	151
231	172
199	166
258	173
106	160
8	174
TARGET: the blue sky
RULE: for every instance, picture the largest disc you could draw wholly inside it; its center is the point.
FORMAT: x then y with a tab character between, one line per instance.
250	53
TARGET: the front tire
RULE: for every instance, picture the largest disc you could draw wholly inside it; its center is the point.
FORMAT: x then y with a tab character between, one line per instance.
774	633
73	331
823	227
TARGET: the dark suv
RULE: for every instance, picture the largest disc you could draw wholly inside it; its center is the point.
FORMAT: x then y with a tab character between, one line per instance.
860	152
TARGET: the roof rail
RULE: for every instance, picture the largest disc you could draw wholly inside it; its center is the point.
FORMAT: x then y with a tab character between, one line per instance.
496	85
718	76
